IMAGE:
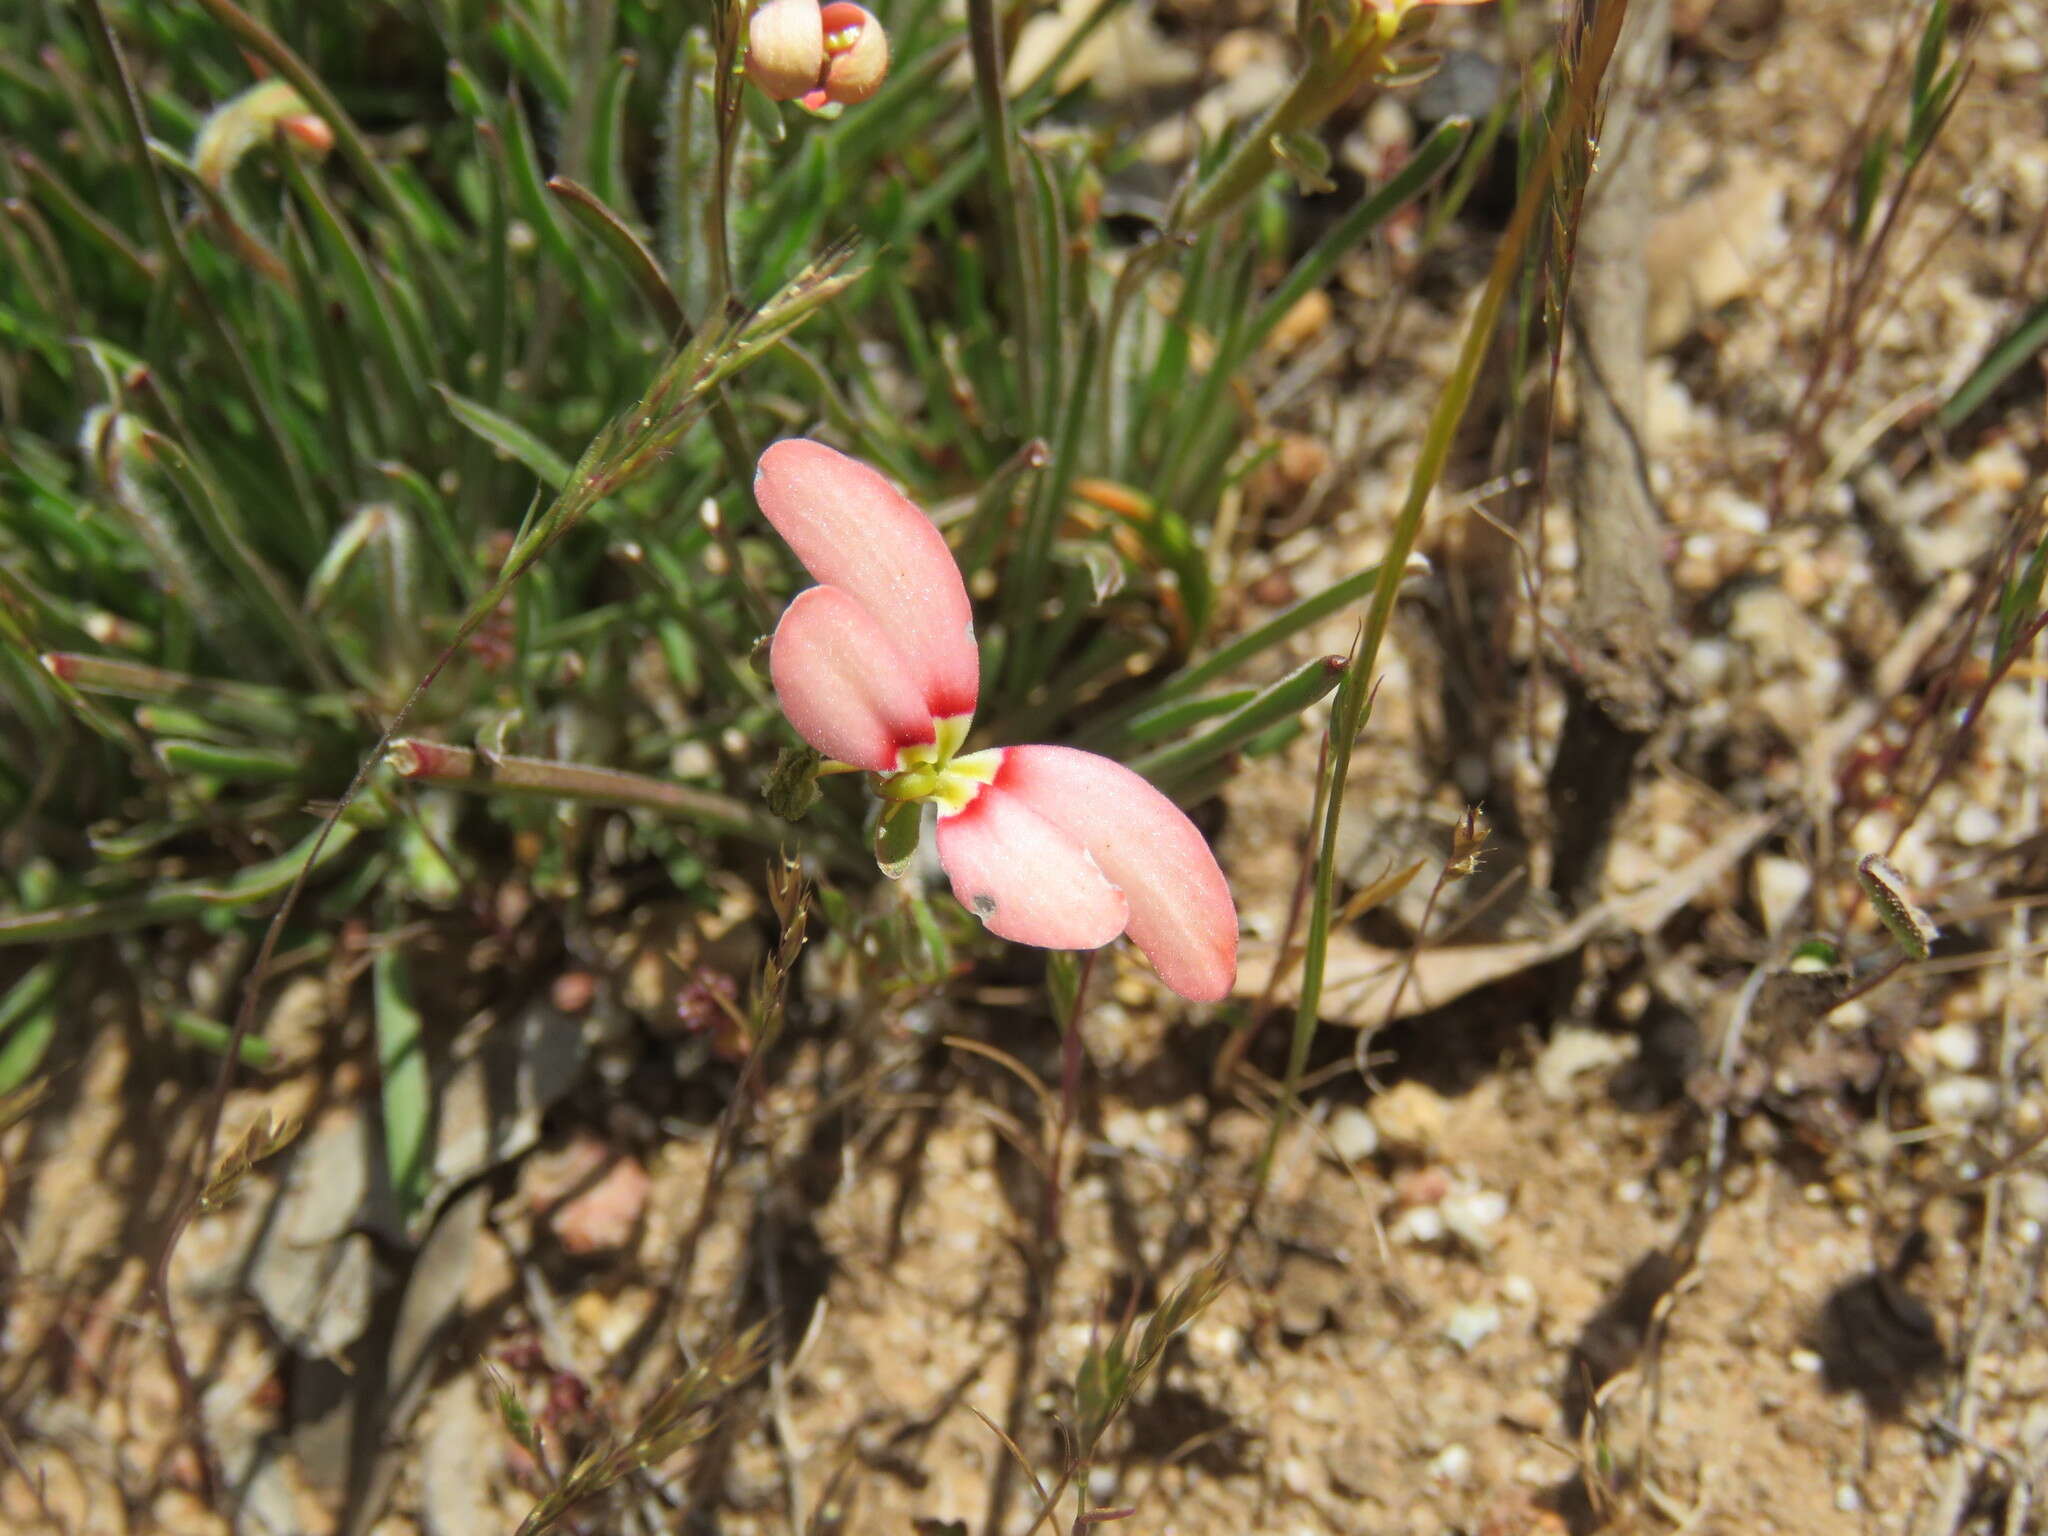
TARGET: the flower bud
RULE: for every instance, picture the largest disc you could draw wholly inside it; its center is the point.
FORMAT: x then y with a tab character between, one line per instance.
308	131
786	47
856	53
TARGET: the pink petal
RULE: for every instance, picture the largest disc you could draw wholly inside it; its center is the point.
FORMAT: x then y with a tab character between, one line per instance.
1025	879
842	682
1182	916
854	530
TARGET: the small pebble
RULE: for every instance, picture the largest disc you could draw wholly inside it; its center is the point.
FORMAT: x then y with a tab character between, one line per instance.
1452	1464
1574	1050
1976	825
1353	1136
1410	1117
1780	885
1956	1046
1472	1215
2029	1193
1957	1100
1468	1327
1424	1224
1804	1361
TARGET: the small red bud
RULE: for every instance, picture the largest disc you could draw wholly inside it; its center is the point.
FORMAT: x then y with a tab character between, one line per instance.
308	132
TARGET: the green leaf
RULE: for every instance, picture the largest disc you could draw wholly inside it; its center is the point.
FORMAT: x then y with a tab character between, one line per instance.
1869	185
28	1023
211	1035
1307	159
2020	601
624	247
1281	702
509	438
2013	351
402	1075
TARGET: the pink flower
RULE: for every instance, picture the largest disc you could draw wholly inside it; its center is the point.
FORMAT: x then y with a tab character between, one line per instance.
877	668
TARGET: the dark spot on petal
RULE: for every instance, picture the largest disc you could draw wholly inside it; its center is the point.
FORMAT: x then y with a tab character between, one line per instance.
984	905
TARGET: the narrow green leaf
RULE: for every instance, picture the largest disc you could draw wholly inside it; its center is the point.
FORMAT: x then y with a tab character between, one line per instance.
171	900
1891	898
509	438
1281	627
1432	156
402	1076
211	1035
624	247
2020	601
1284	700
190	759
28	1023
2025	341
1172	719
1307	159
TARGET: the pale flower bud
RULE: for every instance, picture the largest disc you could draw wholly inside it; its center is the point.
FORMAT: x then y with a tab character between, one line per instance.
786	47
308	132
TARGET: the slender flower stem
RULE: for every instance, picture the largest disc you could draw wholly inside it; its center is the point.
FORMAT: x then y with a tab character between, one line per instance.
730	20
1071	1058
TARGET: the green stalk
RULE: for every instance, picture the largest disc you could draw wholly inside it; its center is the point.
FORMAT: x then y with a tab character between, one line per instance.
985	41
1339	62
1354	697
1027	579
533	778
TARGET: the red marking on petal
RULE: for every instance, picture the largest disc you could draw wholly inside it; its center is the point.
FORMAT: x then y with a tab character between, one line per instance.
843	684
852	529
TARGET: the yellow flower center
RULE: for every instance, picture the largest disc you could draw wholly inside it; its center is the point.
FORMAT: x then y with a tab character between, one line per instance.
936	771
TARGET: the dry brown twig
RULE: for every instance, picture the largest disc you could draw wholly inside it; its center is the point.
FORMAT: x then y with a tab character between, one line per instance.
1617	685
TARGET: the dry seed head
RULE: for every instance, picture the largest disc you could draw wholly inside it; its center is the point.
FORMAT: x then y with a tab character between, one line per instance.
1468	843
1892	899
